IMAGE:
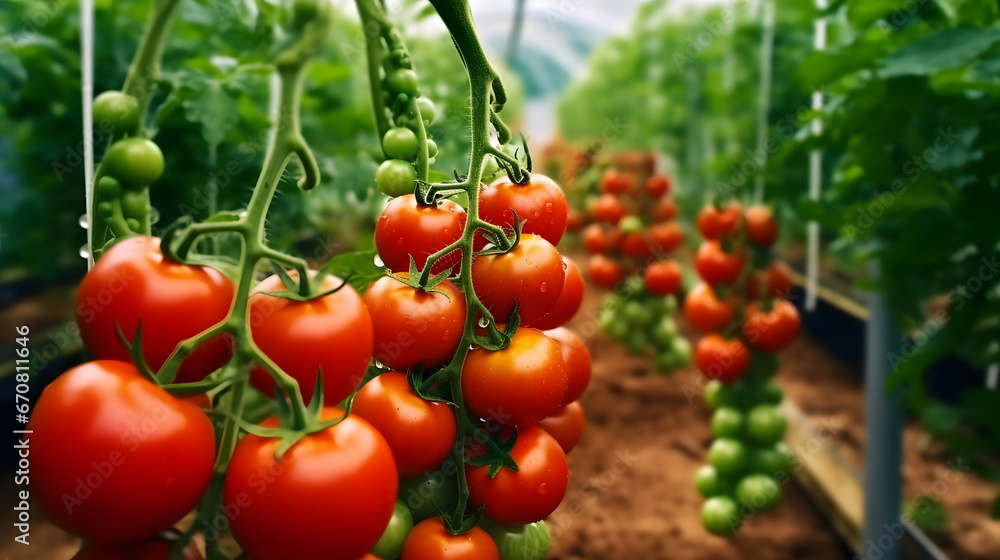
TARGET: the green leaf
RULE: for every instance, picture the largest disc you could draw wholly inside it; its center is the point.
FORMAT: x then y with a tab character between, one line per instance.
358	268
12	76
929	514
863	13
941	50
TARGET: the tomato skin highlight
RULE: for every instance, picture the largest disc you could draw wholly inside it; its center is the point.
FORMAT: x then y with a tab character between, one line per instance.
604	272
662	278
127	442
519	385
340	483
705	310
540	203
333	333
420	433
577	359
566	425
531	273
716	266
773	330
405	228
532	493
414	326
430	540
131	283
569	300
723	359
762	226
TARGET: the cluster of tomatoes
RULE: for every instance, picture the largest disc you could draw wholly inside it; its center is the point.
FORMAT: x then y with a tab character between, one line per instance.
109	440
623	246
742	307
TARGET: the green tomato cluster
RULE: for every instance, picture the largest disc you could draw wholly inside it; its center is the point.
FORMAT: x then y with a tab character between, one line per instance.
642	322
400	144
748	462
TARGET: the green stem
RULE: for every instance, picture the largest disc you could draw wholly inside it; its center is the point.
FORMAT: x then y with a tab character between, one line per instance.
371	17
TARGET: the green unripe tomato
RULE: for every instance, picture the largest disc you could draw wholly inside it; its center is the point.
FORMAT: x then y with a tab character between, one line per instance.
664	333
617	328
636	342
395	177
719	394
727	422
519	542
772	460
759	492
403	80
728	456
400	143
766	424
135	203
432	148
135	162
720	515
118	110
708	483
631	224
427	109
670	305
108	188
682	349
422	492
636	314
771	393
390	544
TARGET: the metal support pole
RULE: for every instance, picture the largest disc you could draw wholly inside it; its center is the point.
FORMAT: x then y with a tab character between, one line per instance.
884	441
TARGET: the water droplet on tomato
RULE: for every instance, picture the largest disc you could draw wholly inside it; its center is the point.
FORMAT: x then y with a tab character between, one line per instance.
543	287
548	207
378	364
378	261
484	322
543	488
527	261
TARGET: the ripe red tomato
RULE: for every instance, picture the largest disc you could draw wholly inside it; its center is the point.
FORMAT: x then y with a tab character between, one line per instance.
666	210
332	333
106	439
574	220
569	299
430	540
665	238
609	209
420	433
715	223
705	310
531	273
772	330
532	493
662	278
762	227
614	182
577	359
149	549
779	280
519	385
540	203
595	240
133	283
414	326
604	272
715	265
721	358
658	185
634	245
339	484
566	425
405	228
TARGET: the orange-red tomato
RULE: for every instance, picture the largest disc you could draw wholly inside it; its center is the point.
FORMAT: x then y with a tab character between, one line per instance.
430	540
666	209
566	425
634	245
531	273
662	278
772	330
657	185
519	385
614	182
609	209
574	220
332	333
569	299
665	238
331	495
420	433
414	326
779	280
406	228
531	493
604	272
715	223
715	265
149	549
107	443
705	310
132	283
721	358
539	203
595	240
762	227
577	359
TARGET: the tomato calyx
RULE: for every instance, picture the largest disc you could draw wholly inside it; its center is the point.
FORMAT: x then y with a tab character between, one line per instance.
497	454
421	279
